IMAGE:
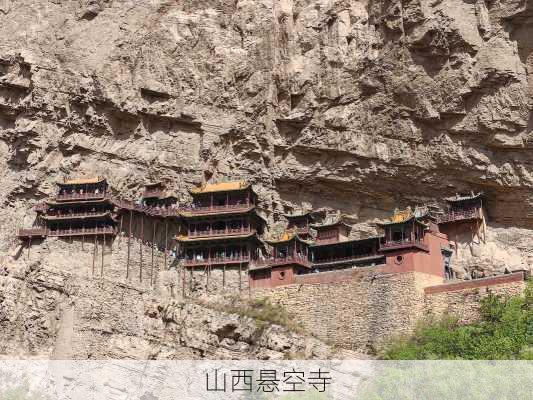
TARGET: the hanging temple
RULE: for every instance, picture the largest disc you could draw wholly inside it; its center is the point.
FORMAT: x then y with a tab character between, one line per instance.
222	229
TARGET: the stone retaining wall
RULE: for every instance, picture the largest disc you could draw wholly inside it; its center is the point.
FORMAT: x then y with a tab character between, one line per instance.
361	308
462	299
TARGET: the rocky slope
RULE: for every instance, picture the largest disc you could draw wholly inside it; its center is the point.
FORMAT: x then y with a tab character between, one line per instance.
51	313
359	106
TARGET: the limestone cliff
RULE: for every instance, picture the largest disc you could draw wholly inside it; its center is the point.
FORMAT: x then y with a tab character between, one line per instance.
358	106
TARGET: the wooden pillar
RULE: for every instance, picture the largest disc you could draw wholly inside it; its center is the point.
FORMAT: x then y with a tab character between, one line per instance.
240	278
166	243
103	250
129	246
120	230
82	242
141	250
207	268
224	275
153	244
249	282
29	246
94	254
183	281
190	280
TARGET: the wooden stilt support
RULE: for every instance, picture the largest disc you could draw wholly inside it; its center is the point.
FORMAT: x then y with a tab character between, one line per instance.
153	244
29	247
183	282
141	242
129	247
166	244
240	278
94	254
120	230
224	275
249	282
190	280
207	279
103	250
83	243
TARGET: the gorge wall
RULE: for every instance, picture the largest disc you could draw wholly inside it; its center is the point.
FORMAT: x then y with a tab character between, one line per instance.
358	106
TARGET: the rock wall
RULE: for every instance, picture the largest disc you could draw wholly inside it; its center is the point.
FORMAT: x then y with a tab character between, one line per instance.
53	313
352	105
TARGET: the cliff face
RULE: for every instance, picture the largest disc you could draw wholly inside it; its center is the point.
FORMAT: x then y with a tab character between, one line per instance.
360	106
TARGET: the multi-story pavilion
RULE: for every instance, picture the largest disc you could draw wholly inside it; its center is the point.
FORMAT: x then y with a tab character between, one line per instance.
156	195
464	218
289	256
80	208
221	227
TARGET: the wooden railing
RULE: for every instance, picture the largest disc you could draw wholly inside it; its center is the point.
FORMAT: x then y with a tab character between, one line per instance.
80	196
41	207
215	209
107	230
302	230
220	232
328	240
33	232
354	257
276	261
216	260
151	211
402	244
67	216
154	193
458	215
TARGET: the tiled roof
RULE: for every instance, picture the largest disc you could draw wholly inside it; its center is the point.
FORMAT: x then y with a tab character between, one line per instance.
220	187
83	181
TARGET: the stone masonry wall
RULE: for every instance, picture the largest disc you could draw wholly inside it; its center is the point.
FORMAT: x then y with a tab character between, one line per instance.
462	299
361	308
355	309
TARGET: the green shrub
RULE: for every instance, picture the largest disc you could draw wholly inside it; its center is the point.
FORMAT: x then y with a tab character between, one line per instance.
505	331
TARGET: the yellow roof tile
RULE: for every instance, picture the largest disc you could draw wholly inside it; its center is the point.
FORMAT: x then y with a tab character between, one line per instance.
401	216
220	187
84	181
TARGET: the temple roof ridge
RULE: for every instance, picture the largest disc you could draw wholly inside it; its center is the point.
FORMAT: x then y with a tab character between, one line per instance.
83	180
462	197
286	236
221	187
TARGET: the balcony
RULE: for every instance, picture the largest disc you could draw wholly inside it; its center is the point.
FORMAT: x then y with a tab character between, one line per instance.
33	232
453	216
154	193
216	260
347	259
80	196
41	207
275	262
108	230
220	232
304	230
403	244
327	240
70	216
151	211
228	208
